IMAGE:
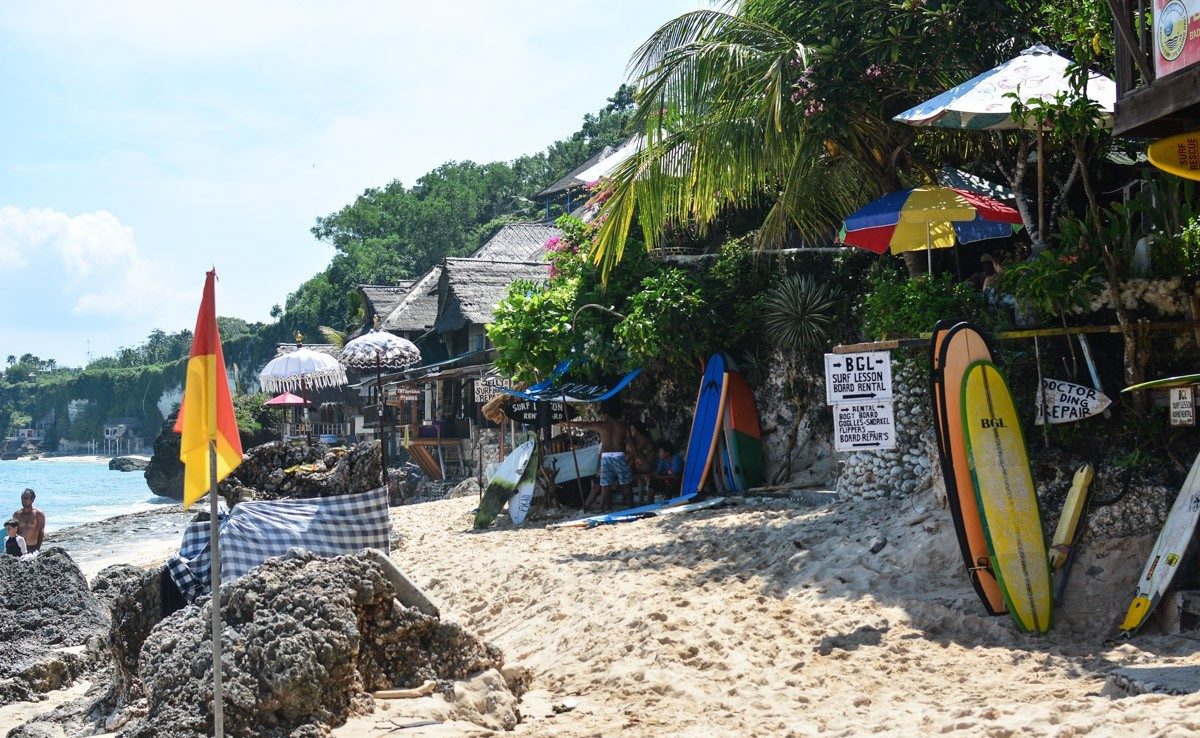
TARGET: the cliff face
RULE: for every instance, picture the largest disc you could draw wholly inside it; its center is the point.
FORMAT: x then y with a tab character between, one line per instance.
164	473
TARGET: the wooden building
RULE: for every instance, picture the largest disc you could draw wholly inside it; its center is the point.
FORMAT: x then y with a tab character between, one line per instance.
1158	67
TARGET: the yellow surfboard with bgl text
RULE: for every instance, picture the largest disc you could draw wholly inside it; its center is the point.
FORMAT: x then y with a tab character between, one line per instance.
1007	498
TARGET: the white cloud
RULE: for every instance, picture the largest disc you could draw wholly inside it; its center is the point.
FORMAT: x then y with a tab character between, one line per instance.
92	259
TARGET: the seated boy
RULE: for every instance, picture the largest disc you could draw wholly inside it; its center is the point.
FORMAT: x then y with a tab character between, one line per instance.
14	544
668	474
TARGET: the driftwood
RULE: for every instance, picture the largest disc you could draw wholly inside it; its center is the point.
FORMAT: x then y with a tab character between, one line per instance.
406	592
424	690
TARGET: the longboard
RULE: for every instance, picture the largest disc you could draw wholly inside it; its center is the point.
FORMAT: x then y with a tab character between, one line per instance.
1007	499
1167	553
518	504
503	483
743	434
953	347
1165	383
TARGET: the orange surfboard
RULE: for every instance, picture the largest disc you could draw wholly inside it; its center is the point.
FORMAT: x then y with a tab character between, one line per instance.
952	349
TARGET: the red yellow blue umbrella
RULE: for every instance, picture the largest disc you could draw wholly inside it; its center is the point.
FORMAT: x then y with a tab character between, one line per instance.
930	217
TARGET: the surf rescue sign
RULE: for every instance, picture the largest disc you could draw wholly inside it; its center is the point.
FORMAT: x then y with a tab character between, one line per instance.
1064	402
864	426
1183	406
853	378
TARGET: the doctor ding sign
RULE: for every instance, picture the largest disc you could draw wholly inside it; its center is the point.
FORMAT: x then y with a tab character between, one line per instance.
1063	402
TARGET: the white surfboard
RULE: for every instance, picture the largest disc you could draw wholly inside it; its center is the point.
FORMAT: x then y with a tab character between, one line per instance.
503	483
1167	554
518	504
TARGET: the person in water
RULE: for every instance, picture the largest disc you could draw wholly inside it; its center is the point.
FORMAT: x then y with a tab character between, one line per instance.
32	521
14	544
614	469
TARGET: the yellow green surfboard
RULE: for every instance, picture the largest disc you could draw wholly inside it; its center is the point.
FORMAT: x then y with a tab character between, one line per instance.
1007	498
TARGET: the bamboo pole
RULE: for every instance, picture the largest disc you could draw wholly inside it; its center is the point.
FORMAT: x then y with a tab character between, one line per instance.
218	700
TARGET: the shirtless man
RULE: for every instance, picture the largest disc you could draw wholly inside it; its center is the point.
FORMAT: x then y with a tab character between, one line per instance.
614	469
32	521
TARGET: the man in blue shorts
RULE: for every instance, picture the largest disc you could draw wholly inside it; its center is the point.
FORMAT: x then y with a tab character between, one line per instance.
614	469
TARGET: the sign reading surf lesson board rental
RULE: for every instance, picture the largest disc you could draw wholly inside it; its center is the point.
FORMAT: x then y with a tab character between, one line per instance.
1183	406
1178	155
865	377
540	413
1065	402
864	426
1176	35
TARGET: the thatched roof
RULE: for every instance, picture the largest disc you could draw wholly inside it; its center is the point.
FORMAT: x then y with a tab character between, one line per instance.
517	242
469	289
381	300
417	310
571	180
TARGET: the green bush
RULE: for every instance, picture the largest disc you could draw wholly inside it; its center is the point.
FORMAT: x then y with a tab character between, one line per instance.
896	306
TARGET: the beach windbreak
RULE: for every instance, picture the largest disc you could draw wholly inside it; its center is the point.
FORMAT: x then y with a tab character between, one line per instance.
207	411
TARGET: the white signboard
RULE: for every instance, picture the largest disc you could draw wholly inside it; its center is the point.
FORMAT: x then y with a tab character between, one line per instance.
1066	402
865	377
1183	406
864	426
488	387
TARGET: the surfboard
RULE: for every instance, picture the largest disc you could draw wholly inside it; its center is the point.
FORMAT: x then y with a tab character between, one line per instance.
518	504
953	347
503	483
1007	499
702	445
1178	154
743	434
1165	383
1167	553
1072	514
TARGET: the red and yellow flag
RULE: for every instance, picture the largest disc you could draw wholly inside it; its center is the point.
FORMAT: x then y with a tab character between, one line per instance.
207	412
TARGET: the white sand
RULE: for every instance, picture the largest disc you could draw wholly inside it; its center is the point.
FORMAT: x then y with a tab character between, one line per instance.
778	622
774	622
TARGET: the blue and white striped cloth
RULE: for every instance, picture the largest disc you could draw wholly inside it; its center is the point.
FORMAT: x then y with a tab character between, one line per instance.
260	530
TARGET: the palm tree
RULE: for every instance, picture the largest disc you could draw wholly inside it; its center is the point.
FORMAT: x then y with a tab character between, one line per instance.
788	104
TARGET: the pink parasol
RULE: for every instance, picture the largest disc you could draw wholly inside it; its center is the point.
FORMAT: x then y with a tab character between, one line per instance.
287	399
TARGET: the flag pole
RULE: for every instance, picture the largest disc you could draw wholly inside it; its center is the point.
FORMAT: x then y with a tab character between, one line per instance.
215	580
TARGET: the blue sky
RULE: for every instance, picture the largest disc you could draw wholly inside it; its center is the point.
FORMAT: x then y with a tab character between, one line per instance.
142	143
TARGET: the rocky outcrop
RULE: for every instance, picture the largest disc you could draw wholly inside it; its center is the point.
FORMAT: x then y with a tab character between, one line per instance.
128	463
164	473
304	637
280	470
134	597
52	627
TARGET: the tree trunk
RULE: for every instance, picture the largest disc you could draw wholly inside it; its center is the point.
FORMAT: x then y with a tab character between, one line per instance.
1132	358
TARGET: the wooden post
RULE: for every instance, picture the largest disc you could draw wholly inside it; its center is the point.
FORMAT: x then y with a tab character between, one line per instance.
1037	353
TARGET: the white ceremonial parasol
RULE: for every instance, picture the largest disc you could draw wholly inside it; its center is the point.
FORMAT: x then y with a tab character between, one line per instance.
380	349
301	370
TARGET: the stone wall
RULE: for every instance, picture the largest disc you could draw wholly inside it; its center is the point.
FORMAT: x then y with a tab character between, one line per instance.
908	468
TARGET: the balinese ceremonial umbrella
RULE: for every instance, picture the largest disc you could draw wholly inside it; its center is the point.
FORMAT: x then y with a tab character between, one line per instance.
300	370
380	350
286	400
929	217
984	102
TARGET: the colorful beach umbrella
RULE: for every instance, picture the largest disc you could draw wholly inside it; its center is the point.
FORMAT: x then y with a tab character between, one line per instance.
929	217
287	399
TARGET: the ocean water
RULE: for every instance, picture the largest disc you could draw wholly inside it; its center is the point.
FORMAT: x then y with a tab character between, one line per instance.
71	493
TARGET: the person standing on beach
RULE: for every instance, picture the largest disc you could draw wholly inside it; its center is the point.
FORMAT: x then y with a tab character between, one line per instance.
14	544
614	469
32	521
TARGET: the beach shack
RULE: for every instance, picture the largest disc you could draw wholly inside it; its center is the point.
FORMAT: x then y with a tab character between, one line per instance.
1158	68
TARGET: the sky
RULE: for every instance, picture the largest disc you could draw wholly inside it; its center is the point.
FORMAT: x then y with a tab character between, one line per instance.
142	144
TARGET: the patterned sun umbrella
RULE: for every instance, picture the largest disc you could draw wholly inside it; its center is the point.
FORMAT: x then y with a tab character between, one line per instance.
928	218
380	348
301	370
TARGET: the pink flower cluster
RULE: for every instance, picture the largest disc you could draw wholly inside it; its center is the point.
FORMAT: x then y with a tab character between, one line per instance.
873	72
803	92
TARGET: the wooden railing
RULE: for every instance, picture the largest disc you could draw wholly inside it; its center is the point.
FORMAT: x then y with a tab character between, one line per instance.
315	430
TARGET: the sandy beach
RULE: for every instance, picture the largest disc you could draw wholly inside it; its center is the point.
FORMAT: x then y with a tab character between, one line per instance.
760	619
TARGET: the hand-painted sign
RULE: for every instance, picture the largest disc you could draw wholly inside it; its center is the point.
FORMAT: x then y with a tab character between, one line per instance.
1064	402
539	413
1179	154
1183	406
488	387
864	426
858	378
1176	35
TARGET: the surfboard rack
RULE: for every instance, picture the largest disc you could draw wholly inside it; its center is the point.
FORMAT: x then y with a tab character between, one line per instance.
922	340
